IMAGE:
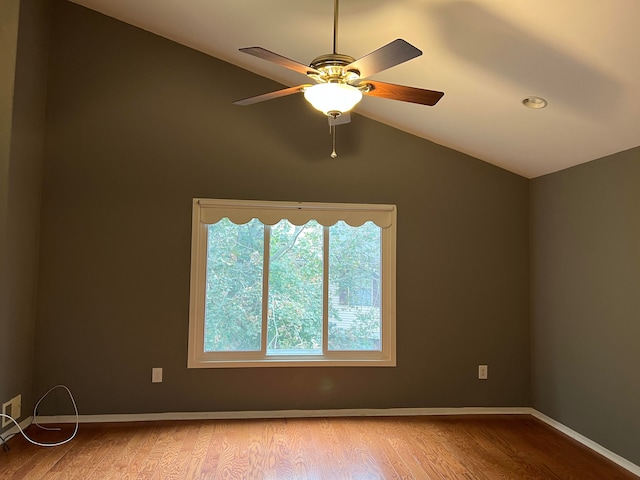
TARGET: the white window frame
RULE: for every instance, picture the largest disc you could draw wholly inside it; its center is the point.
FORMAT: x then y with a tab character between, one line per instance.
210	211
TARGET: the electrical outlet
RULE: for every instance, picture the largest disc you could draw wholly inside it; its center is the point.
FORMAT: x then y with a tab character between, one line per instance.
156	375
12	408
483	372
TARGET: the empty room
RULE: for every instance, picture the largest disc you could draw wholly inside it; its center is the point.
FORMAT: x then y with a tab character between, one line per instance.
320	239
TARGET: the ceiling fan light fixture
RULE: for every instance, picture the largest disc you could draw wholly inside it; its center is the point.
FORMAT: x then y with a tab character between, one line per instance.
333	99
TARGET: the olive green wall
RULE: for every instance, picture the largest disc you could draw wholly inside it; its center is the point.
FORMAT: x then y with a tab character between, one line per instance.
138	126
585	295
10	382
23	33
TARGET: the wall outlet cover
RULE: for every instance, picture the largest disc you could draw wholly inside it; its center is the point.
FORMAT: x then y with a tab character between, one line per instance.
12	408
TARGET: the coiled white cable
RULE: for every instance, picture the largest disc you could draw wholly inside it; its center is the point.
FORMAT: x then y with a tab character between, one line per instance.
35	409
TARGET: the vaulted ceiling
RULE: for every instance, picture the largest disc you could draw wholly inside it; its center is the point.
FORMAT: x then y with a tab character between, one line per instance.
486	55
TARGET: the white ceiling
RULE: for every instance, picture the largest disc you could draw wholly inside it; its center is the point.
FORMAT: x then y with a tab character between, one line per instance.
486	55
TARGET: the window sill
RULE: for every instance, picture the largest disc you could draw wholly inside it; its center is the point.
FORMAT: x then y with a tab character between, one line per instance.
293	361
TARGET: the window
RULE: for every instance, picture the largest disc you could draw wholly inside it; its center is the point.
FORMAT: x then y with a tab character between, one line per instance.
287	284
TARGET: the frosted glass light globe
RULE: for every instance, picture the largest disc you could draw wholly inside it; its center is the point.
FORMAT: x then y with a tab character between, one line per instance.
333	98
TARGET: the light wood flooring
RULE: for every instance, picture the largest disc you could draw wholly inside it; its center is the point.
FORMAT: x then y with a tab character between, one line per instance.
486	447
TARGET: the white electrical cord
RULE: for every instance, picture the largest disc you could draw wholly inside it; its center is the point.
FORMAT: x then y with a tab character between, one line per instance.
35	410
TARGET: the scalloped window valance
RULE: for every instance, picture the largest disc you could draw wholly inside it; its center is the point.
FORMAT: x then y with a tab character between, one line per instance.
297	213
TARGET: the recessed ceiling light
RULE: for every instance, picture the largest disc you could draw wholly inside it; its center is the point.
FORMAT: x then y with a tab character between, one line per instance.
534	102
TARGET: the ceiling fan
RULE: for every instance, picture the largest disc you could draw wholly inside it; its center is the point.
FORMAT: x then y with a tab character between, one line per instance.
341	80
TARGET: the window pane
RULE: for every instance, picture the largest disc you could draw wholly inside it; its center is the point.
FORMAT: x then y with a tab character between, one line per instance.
295	289
354	287
233	298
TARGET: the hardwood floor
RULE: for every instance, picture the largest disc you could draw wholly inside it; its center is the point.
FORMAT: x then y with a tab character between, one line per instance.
489	447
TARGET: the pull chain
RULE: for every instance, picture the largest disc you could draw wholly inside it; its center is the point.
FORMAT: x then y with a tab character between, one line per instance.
332	128
333	132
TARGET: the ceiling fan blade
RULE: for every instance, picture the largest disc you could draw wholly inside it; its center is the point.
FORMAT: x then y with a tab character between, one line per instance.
279	60
392	54
271	95
402	93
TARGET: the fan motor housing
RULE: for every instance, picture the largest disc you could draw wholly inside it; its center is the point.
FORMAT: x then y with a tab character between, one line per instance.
332	65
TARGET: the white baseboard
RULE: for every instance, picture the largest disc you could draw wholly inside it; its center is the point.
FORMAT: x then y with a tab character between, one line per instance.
356	412
623	462
390	412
